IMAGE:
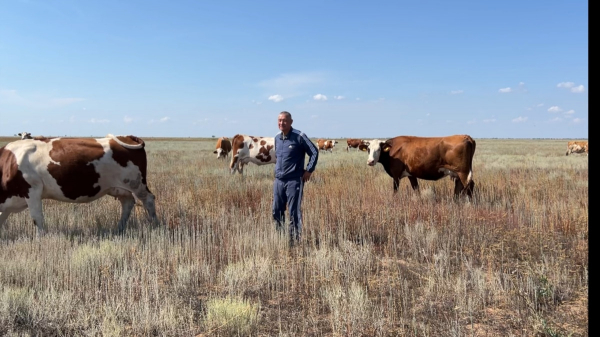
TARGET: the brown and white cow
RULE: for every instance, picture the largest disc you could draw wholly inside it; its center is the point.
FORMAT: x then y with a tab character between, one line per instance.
326	145
223	148
354	143
25	135
577	147
249	149
428	158
77	170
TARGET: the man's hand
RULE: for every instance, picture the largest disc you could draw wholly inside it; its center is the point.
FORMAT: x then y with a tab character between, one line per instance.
306	176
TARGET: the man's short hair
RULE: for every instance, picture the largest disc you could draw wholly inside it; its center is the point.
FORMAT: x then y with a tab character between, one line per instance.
287	114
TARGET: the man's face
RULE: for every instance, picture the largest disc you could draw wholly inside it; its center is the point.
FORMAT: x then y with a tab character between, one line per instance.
285	123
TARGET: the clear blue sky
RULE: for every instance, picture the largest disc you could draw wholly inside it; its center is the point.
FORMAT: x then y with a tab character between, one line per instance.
364	69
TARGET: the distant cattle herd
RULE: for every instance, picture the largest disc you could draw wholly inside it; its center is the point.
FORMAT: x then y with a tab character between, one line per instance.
81	170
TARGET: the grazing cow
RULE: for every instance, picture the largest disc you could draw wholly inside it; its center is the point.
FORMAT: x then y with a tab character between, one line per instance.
223	147
577	147
76	170
250	149
428	158
326	145
354	143
25	135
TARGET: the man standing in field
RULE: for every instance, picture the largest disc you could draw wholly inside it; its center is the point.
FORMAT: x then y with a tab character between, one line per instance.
291	146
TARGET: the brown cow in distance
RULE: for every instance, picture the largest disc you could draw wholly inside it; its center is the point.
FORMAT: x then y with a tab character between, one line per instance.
577	147
354	143
76	170
428	158
223	148
326	145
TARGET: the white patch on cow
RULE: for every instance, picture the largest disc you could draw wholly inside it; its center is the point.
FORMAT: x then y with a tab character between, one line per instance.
374	150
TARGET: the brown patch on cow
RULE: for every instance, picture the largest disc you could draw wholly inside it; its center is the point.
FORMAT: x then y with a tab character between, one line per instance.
131	140
263	142
254	139
251	146
123	155
264	153
76	175
12	183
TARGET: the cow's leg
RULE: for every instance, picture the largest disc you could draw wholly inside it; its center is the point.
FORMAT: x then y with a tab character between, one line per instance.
461	186
396	184
458	187
414	183
34	203
3	216
127	203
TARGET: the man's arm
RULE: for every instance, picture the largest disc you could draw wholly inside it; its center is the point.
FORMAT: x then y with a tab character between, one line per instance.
313	154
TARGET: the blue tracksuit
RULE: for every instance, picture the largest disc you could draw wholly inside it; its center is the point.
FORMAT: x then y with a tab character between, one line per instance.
290	152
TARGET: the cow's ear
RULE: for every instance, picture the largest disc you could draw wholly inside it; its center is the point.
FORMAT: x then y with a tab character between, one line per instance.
363	147
215	151
385	147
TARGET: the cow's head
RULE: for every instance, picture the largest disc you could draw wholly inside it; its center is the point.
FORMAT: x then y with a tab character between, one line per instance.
25	135
220	153
374	148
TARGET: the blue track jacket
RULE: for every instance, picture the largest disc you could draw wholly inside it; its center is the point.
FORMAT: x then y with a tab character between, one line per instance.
290	151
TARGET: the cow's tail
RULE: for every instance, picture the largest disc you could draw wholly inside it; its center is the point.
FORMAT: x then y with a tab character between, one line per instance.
470	151
128	142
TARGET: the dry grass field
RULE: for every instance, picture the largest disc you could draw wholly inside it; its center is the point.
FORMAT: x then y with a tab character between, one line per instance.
513	262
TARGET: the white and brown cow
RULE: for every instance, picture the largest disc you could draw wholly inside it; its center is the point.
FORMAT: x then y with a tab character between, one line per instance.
249	149
326	145
223	148
25	135
354	143
77	170
428	158
577	147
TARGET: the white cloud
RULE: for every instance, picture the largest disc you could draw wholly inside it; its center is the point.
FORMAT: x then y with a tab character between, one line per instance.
164	119
314	116
256	102
456	92
505	90
554	109
570	112
540	105
555	119
578	89
570	85
489	120
577	120
521	84
519	119
320	97
565	85
339	97
99	121
472	121
127	119
276	98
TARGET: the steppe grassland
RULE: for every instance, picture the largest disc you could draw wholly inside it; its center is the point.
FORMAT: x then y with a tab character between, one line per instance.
512	262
